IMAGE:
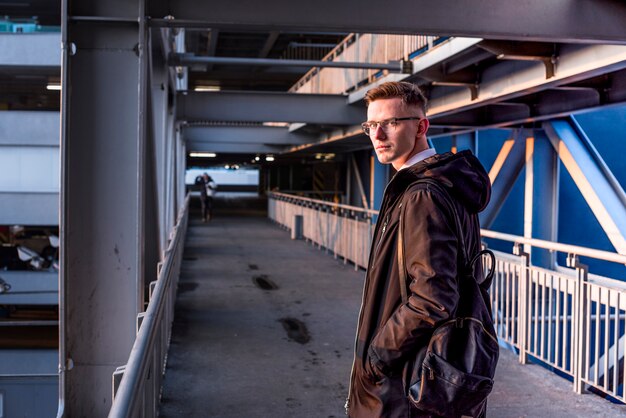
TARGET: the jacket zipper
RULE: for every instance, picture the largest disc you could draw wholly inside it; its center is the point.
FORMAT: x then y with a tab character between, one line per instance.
346	406
382	234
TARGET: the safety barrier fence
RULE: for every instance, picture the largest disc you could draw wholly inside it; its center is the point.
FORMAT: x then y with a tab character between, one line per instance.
572	321
137	385
344	230
369	47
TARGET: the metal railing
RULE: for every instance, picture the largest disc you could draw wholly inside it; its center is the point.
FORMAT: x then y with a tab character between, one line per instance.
137	385
344	230
369	47
572	321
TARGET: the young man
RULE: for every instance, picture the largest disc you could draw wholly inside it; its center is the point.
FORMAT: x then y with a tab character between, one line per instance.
207	191
390	332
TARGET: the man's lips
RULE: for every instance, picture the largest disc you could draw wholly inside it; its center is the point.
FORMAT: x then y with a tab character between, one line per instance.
383	147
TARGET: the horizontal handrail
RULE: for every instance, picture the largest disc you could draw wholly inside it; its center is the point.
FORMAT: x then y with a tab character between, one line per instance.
128	393
556	246
537	243
324	203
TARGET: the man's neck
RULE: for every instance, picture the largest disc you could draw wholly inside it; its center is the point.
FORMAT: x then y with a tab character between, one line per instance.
417	157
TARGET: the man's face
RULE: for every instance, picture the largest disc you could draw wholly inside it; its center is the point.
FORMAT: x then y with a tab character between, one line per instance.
395	145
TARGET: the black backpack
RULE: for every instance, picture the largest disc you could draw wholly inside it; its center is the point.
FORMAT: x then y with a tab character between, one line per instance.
454	375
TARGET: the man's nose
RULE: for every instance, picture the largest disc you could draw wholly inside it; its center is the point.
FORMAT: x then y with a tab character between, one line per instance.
379	133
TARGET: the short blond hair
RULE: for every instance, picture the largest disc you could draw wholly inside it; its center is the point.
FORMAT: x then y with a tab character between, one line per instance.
409	93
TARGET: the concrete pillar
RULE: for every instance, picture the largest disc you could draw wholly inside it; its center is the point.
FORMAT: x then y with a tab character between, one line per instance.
103	198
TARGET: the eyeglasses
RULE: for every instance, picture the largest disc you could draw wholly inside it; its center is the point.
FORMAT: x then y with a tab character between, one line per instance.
370	126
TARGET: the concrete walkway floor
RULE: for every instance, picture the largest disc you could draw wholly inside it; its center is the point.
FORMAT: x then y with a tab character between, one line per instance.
265	327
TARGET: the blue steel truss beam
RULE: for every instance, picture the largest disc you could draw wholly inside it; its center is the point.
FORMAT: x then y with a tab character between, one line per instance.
583	20
602	192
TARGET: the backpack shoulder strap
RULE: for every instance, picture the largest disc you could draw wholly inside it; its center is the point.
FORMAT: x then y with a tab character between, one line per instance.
457	225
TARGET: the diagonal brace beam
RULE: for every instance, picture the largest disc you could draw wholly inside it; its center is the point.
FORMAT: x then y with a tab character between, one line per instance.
599	188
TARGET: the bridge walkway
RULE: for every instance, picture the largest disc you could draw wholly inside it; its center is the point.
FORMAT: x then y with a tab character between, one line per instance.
239	350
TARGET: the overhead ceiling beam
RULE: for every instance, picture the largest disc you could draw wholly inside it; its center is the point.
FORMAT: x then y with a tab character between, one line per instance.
235	135
229	148
188	60
597	21
268	107
510	79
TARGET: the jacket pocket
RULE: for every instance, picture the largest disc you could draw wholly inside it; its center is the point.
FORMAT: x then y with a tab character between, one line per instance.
444	390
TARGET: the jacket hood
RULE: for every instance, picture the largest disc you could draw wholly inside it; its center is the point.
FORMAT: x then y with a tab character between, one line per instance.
461	173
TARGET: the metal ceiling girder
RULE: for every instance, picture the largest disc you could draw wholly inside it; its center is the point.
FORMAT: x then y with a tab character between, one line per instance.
230	148
508	80
235	135
492	114
582	20
189	59
503	175
602	192
566	99
268	107
351	134
524	51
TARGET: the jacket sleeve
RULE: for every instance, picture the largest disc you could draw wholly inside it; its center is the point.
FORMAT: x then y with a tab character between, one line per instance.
430	247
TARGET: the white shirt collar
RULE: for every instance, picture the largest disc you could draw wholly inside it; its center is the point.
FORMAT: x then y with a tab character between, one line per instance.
422	155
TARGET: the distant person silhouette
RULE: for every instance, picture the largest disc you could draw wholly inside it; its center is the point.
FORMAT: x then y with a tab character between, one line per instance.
207	191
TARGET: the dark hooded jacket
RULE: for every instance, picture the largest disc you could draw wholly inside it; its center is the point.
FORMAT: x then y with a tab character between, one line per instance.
390	333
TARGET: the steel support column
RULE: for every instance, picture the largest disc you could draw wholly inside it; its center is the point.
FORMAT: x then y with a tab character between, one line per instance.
102	199
181	166
378	182
151	181
503	174
542	176
159	88
465	141
171	176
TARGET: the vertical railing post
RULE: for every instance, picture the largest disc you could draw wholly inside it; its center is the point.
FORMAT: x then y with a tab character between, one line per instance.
118	374
580	321
523	302
298	225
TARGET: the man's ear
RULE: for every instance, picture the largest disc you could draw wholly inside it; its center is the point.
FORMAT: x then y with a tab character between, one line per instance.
422	127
